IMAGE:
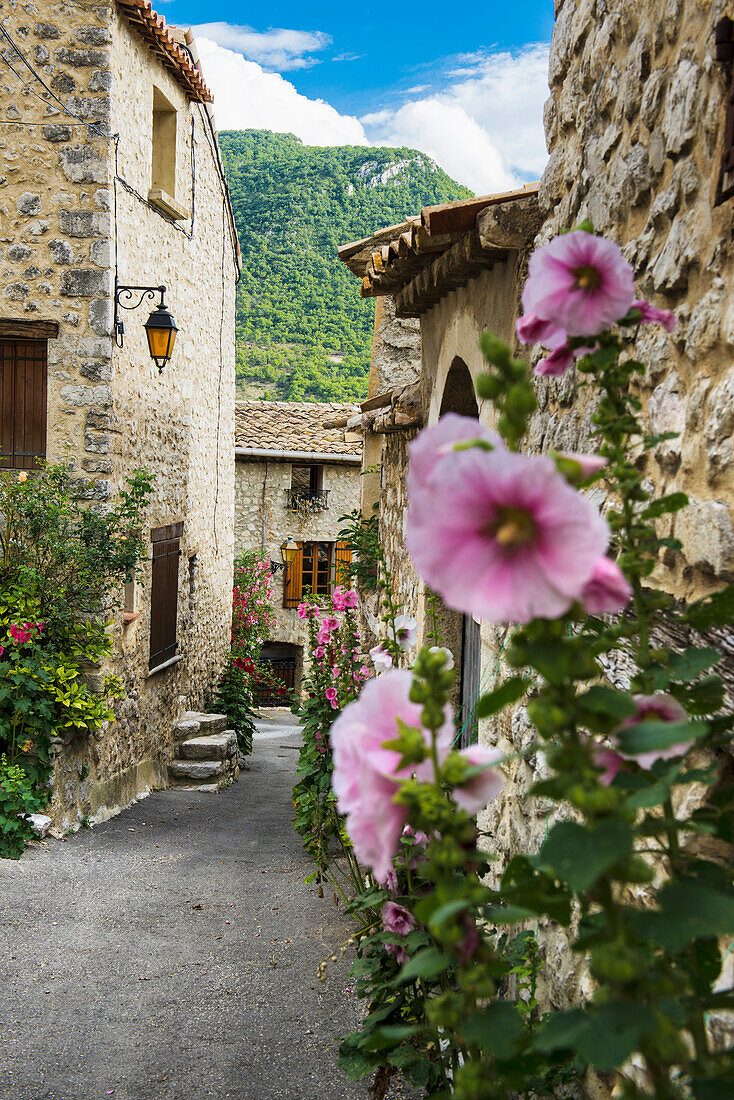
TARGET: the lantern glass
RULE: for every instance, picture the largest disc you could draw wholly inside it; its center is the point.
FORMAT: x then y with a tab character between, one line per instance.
161	329
289	551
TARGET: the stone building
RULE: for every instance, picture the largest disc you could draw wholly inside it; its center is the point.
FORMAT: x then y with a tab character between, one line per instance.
295	480
640	129
110	175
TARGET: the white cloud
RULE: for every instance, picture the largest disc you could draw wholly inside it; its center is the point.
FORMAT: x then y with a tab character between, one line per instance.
485	127
248	98
276	48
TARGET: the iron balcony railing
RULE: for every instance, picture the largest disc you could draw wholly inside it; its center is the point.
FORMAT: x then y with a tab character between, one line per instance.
307	500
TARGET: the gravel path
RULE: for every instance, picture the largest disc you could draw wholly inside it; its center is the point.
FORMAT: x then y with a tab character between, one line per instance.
171	953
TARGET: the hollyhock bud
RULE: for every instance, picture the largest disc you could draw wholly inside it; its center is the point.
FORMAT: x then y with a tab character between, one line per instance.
448	655
607	590
532	329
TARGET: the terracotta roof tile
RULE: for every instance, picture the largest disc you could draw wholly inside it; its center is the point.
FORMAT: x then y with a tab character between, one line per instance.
293	426
153	29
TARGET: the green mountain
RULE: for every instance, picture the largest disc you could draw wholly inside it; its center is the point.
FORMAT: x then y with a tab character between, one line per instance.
303	332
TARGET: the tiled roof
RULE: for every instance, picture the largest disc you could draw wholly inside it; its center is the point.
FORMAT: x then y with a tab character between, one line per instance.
159	37
294	426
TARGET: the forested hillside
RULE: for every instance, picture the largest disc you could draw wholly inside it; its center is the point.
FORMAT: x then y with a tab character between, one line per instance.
303	332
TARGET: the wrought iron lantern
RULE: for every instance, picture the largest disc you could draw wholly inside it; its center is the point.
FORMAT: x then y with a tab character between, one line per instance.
160	328
289	551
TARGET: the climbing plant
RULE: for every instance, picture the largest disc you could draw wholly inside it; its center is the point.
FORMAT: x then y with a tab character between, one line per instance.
61	571
636	871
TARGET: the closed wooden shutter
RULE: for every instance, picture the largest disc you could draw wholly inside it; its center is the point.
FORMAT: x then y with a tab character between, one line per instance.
293	580
23	382
343	563
164	599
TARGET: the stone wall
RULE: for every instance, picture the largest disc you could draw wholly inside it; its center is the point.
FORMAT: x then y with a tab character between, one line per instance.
263	522
61	183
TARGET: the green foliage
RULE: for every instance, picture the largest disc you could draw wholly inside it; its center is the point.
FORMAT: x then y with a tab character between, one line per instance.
363	537
303	332
19	796
63	563
233	697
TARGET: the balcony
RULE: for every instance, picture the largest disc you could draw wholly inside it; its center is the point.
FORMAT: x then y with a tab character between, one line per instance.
306	501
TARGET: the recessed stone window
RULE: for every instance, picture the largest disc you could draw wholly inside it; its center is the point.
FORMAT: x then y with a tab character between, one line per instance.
162	192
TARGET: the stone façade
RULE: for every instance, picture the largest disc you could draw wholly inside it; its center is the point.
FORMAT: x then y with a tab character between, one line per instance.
75	174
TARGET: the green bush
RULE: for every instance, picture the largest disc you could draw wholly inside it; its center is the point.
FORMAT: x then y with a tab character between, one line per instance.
18	797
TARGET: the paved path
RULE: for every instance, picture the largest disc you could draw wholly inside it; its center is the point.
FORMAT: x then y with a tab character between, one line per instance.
171	953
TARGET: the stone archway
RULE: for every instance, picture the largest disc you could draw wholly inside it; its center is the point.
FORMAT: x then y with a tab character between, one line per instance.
461	633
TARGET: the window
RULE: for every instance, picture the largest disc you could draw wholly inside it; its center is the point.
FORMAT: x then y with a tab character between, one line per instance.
724	38
162	192
306	493
164	593
317	568
23	374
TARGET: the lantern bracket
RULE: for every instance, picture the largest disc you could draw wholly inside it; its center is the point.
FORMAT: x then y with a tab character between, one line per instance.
125	298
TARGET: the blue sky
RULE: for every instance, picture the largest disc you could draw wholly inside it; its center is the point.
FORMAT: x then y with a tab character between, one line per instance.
467	90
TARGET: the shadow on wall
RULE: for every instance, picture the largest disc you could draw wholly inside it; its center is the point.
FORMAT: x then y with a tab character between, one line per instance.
461	633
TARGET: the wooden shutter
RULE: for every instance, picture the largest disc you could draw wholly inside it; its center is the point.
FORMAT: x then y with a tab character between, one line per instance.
23	382
164	598
343	563
293	580
724	52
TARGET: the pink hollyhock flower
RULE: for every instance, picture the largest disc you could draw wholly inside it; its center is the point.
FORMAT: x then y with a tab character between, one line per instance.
335	672
657	708
351	600
381	659
448	662
365	671
580	282
651	315
396	918
366	775
532	329
474	795
330	623
2	650
319	652
331	695
561	358
607	590
20	634
406	631
612	762
470	943
438	441
503	536
324	635
400	953
302	611
391	881
337	598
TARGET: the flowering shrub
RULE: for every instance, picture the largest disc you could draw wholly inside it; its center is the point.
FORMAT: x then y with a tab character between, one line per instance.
638	867
252	620
335	678
62	567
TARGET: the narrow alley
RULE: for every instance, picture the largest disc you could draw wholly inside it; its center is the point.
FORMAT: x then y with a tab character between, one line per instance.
172	953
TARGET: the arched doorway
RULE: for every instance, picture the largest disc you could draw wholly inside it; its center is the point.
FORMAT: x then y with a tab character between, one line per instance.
462	633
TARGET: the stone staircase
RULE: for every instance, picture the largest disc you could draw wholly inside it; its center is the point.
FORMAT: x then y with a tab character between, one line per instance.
205	752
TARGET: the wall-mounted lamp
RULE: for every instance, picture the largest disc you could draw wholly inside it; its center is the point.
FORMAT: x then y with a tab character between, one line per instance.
160	328
289	550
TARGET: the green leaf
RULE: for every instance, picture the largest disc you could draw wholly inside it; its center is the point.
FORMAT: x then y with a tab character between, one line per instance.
688	911
604	700
495	1029
604	1036
428	963
561	1031
507	914
391	1035
355	1065
508	692
579	854
692	662
716	610
664	505
448	910
653	736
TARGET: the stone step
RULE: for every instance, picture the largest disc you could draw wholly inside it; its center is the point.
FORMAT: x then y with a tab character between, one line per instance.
196	769
217	746
195	724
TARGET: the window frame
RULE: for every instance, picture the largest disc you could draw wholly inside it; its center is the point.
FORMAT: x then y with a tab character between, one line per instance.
164	594
23	447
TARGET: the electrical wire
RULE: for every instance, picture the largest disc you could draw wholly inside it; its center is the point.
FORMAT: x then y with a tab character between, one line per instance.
221	370
37	76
